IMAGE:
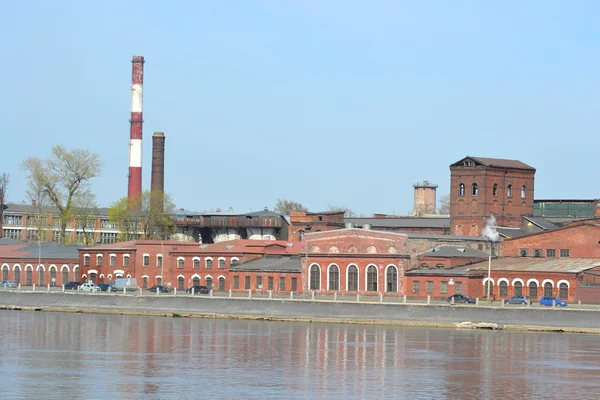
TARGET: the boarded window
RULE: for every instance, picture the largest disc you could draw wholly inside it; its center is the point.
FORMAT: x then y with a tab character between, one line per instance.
246	282
236	282
294	284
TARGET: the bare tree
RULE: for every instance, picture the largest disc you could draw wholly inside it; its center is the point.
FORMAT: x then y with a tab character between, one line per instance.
64	178
444	205
4	178
336	207
286	207
85	213
148	215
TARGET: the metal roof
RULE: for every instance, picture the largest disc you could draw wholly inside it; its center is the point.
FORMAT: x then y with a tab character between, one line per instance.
454	251
401	222
459	271
541	222
508	232
535	264
10	249
270	263
495	162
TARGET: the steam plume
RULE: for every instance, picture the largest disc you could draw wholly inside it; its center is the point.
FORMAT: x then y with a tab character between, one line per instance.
490	229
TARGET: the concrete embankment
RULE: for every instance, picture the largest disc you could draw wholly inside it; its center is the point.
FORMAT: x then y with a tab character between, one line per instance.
446	316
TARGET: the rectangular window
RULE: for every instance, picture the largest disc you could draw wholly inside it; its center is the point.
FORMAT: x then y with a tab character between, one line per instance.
197	263
159	261
12	233
208	263
13	220
99	261
270	283
113	261
180	263
146	261
550	253
86	261
246	282
294	284
458	288
444	287
282	283
56	236
126	261
564	253
429	286
236	282
415	286
259	282
221	263
32	235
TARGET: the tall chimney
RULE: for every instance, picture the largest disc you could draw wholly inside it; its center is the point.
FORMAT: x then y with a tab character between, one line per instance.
157	184
134	187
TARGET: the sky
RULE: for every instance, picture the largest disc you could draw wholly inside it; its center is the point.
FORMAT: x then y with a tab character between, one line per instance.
335	102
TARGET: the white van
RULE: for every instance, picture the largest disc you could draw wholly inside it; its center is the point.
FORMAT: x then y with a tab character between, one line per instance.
129	284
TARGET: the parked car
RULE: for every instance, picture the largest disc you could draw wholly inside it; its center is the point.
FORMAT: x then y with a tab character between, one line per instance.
461	298
72	285
198	289
518	300
547	301
160	288
8	284
89	287
107	287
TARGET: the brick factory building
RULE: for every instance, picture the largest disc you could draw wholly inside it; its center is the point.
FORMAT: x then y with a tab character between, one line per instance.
480	187
27	264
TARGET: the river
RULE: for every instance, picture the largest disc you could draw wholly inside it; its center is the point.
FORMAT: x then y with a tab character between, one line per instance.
87	356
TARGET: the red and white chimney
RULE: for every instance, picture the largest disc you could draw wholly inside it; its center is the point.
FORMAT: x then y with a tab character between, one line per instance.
135	133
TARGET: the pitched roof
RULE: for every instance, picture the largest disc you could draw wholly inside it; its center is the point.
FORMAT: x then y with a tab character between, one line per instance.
29	250
510	232
454	251
270	263
540	264
401	222
541	222
495	162
575	225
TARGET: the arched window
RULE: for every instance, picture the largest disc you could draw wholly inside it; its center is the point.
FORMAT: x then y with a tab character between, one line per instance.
196	263
334	277
221	284
209	283
17	275
113	260
495	189
392	279
475	189
65	275
126	260
221	263
5	273
235	261
518	289
41	276
101	278
146	260
503	288
159	261
209	263
461	189
523	191
52	276
145	282
372	279
180	283
509	191
158	281
491	289
315	277
180	262
28	276
547	289
352	278
196	280
563	291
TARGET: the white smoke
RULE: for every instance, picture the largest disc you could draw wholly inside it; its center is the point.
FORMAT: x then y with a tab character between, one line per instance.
490	229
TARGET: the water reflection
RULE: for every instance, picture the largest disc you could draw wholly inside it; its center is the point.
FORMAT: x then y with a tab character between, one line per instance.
52	355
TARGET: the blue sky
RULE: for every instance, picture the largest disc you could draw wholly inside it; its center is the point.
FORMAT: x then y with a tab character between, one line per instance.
321	102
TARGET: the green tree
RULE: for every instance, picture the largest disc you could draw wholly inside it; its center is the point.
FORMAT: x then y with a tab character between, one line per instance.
64	179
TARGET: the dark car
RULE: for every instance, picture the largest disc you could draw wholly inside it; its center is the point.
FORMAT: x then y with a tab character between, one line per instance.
518	300
198	289
547	301
461	298
72	285
107	287
159	288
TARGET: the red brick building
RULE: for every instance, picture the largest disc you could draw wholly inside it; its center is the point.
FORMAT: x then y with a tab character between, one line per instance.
175	264
27	264
307	222
450	257
483	186
578	241
354	261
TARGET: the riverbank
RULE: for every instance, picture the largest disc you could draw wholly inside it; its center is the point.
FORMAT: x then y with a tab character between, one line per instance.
323	311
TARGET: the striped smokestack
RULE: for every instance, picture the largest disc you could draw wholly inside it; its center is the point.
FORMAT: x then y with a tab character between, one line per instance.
134	187
158	162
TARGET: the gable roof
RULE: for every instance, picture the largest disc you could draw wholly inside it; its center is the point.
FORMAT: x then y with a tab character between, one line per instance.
270	263
494	162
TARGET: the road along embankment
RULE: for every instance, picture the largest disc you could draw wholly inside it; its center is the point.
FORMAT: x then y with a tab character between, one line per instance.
443	316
